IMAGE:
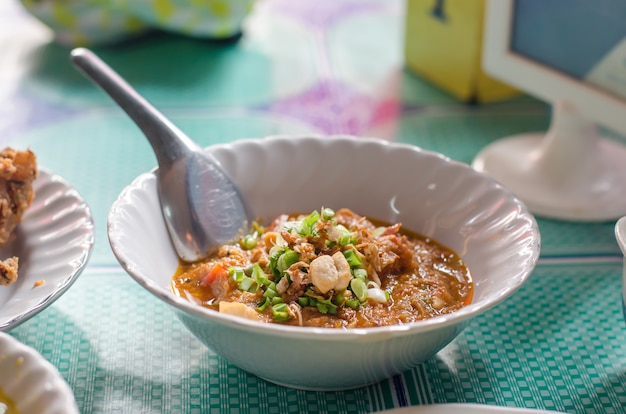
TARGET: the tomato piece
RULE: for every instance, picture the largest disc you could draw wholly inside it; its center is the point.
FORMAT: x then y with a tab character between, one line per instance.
217	272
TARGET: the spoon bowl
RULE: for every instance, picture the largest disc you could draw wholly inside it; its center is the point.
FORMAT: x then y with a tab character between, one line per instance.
201	206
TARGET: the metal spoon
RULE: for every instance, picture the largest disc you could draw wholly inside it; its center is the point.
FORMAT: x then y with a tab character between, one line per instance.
201	205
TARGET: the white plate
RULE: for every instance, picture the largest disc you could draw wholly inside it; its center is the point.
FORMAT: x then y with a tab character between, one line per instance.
465	409
31	382
53	243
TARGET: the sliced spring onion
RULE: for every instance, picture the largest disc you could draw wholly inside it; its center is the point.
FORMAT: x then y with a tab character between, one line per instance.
308	224
270	293
291	226
327	213
266	304
275	253
281	259
236	273
280	313
352	257
248	284
339	299
346	237
359	288
286	259
303	301
256	272
352	303
360	274
249	241
377	295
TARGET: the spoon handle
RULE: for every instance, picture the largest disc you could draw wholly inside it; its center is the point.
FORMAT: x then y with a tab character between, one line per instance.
168	142
201	206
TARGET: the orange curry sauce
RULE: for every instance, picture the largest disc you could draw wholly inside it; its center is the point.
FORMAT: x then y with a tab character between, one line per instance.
278	274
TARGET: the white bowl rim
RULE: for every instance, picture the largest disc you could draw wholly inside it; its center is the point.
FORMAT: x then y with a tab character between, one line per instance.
315	333
59	386
65	281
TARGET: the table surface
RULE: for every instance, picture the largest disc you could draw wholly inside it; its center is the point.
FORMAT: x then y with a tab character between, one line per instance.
559	343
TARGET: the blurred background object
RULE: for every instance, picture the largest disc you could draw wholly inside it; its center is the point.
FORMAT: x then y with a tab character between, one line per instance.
443	44
99	22
571	55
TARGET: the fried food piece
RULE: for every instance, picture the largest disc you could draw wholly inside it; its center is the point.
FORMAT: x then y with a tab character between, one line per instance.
18	170
8	270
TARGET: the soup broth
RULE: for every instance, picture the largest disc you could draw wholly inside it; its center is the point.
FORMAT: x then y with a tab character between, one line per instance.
329	269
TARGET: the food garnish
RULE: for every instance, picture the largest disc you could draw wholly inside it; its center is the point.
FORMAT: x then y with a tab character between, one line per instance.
329	269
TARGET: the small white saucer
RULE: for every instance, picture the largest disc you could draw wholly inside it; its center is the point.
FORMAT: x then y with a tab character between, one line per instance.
53	243
33	384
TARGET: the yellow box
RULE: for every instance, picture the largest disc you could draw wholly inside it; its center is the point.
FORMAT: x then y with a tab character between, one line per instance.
443	44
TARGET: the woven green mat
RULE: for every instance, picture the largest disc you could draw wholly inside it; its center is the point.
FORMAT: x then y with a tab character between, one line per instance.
557	343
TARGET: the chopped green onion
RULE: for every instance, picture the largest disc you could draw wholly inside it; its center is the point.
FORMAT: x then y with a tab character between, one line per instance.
352	257
346	236
249	241
236	273
286	259
256	272
270	293
359	288
248	284
275	253
327	213
352	303
303	301
266	304
277	299
281	259
377	295
280	313
308	224
339	299
360	274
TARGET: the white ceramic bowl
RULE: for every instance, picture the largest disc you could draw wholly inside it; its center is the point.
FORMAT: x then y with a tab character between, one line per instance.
491	229
31	382
53	243
620	236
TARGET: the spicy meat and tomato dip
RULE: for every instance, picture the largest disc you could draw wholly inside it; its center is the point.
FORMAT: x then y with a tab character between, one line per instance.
329	269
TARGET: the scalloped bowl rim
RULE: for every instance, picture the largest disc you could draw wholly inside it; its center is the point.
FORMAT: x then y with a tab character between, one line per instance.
66	280
56	386
467	312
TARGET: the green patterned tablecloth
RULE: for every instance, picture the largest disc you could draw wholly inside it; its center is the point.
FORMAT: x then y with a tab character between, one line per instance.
559	343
